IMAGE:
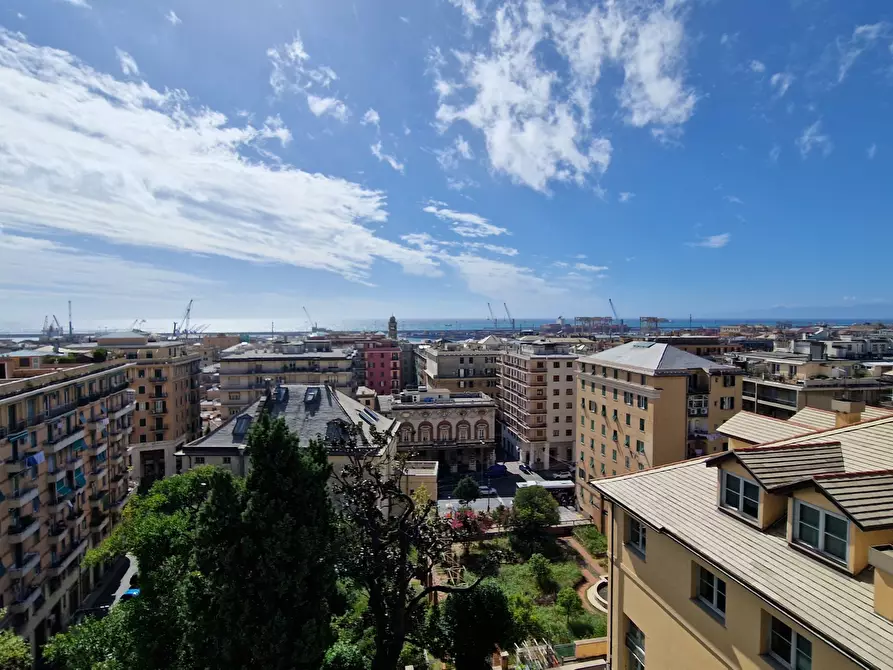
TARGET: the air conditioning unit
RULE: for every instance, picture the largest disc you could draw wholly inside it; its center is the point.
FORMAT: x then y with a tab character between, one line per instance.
704	411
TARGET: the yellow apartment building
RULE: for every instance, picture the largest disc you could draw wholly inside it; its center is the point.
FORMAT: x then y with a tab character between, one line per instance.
644	404
167	414
459	366
772	556
536	400
64	482
245	375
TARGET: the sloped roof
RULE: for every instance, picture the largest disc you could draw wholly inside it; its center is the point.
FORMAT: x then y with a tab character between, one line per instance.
821	419
656	358
757	429
867	498
778	466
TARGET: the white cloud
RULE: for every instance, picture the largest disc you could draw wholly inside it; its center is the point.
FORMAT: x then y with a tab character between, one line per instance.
404	19
499	279
580	257
172	18
713	241
371	117
774	153
435	246
463	223
128	65
871	151
585	267
813	138
83	149
383	157
468	8
781	82
757	66
79	3
460	183
20	16
626	196
331	106
449	157
728	40
863	37
735	200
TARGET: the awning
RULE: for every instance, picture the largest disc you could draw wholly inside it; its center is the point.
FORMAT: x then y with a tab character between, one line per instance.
79	445
62	489
80	481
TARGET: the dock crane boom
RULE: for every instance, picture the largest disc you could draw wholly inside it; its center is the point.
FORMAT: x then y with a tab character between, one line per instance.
611	303
310	320
509	315
493	316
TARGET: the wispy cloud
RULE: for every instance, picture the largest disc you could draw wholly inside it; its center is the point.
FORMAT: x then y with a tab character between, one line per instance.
713	241
774	153
626	196
464	223
370	118
757	66
290	72
735	200
813	138
871	151
449	157
781	82
585	267
327	106
128	65
76	165
386	158
468	8
172	18
863	37
79	3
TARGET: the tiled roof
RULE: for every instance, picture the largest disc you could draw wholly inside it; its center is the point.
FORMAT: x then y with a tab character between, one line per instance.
680	501
657	358
821	419
778	466
756	428
867	498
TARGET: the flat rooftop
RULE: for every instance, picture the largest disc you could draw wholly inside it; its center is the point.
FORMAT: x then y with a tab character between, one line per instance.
279	355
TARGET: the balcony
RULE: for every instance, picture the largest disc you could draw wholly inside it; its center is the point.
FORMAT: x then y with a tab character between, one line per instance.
57	532
158	410
118	413
29	561
24	598
74	463
98	522
59	410
54	477
59	443
62	561
75	517
25	528
158	396
16	465
59	504
21	497
80	482
158	379
98	500
99	449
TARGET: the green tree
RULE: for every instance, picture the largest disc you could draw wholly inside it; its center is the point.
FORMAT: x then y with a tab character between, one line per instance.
527	625
95	644
569	601
344	656
473	624
466	490
15	652
533	511
541	570
100	355
390	544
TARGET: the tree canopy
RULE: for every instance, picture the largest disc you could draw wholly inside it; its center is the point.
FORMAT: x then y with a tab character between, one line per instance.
466	490
15	652
533	511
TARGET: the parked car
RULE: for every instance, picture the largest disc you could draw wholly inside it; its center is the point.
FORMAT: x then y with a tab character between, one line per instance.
524	468
486	491
497	470
566	474
129	594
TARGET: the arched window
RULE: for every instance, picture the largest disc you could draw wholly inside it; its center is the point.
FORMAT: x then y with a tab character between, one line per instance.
463	432
406	434
481	430
425	432
444	432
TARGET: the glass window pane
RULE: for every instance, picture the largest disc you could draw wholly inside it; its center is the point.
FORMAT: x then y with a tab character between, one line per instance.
721	600
733	483
835	526
809	515
804	653
808	534
705	586
732	499
836	547
780	640
750	507
751	491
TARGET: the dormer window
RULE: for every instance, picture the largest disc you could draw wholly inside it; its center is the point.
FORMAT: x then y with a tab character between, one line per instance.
821	530
740	495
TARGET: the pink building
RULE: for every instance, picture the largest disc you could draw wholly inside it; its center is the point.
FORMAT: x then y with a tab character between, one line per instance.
383	371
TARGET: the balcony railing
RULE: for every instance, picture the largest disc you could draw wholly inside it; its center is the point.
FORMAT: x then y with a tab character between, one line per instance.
158	379
61	562
21	497
25	528
158	410
24	598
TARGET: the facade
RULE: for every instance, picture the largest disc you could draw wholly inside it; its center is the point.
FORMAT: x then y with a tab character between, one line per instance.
460	366
537	396
457	430
773	556
167	414
781	383
63	441
408	373
244	375
645	404
700	345
383	369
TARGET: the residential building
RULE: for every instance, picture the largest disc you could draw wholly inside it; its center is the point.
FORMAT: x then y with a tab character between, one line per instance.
63	442
381	363
165	378
780	383
311	412
772	556
708	346
644	404
458	430
537	396
244	375
408	374
460	366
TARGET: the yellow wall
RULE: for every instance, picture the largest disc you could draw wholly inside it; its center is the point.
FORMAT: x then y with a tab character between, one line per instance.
669	420
655	593
883	593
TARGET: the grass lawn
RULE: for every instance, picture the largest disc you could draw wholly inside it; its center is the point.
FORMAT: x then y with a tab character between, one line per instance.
596	543
516	580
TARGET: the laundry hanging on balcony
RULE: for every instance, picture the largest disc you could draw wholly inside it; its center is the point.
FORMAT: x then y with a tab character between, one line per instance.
35	459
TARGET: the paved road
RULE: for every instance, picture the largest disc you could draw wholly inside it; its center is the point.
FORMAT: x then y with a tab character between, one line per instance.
115	583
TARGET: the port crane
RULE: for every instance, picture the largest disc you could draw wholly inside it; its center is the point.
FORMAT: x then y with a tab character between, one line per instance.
509	315
613	311
310	320
183	328
493	316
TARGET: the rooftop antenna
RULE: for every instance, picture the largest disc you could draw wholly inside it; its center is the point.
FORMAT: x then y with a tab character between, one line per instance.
70	328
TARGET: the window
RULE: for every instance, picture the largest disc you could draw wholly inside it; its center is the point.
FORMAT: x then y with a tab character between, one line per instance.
568	405
604	410
604	390
142	439
143	423
556	364
554	405
727	403
482	432
641	424
556	392
603	468
569	378
627	398
603	449
568	433
712	591
626	441
642	402
199	460
234	396
227	460
614	435
628	419
615	394
603	430
614	455
141	390
614	415
728	380
635	537
788	647
740	495
640	446
591	424
555	433
556	378
641	467
635	646
643	380
627	462
141	374
570	364
823	531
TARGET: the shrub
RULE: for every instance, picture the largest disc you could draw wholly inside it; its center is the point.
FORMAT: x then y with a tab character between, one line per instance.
594	542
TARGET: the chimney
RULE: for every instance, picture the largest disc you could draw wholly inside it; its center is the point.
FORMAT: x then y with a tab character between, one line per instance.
847	412
881	557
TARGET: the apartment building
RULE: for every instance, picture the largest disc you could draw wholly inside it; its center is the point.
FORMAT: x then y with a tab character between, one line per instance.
708	346
536	400
773	556
311	412
780	383
380	362
63	442
644	404
165	379
460	366
457	430
244	375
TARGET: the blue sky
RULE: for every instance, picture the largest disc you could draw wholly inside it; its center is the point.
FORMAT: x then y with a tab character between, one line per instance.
423	158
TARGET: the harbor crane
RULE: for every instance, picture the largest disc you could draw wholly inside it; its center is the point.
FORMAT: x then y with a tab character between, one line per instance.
614	311
136	323
493	316
310	320
183	328
509	315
